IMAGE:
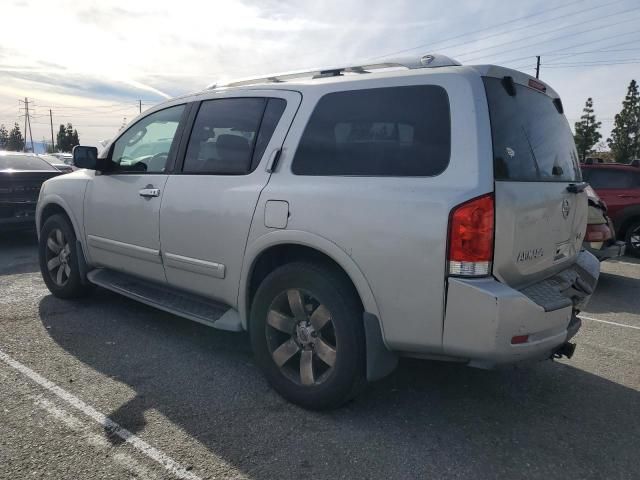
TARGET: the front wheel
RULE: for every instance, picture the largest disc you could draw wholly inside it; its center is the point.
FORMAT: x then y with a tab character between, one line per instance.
59	258
307	335
633	239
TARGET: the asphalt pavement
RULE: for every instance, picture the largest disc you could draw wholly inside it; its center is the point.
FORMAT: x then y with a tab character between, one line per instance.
106	387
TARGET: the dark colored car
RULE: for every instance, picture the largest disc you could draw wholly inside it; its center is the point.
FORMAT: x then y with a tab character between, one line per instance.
57	163
21	176
619	187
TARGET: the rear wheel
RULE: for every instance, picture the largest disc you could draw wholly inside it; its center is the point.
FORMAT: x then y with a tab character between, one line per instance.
307	335
59	258
633	239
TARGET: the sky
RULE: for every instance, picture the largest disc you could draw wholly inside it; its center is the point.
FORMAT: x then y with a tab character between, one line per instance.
91	62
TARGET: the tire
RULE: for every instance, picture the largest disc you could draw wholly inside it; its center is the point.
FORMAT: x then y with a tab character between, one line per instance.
323	315
632	238
59	258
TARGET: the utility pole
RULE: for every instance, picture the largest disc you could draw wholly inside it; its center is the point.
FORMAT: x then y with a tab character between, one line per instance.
53	145
30	133
26	115
538	66
27	123
140	106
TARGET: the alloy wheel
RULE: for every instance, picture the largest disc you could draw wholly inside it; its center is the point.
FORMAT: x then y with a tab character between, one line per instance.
58	257
301	337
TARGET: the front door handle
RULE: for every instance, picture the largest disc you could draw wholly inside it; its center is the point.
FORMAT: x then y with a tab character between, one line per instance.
149	192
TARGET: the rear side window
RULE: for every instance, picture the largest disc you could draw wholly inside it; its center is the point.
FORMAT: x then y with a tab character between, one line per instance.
610	178
396	131
532	141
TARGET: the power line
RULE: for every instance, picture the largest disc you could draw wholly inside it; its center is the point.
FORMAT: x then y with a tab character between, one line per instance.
572	46
551	39
476	31
572	65
571	14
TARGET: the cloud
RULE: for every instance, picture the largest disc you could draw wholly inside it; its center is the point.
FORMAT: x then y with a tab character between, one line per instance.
118	51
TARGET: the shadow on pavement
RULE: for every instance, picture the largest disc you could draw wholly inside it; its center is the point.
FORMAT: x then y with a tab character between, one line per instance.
18	252
426	420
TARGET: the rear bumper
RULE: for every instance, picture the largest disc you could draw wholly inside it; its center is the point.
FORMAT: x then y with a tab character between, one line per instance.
483	315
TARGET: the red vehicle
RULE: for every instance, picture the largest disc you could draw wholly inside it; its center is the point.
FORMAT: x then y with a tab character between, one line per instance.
619	187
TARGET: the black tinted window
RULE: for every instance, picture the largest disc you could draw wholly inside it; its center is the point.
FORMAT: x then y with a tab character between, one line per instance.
23	162
398	131
272	114
532	141
223	137
610	178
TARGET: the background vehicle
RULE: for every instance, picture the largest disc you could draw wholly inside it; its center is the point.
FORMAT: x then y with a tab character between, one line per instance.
619	187
57	163
344	217
21	176
600	237
64	157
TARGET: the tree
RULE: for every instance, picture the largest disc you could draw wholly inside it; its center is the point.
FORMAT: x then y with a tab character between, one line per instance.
61	139
15	142
75	140
625	136
587	134
4	137
67	138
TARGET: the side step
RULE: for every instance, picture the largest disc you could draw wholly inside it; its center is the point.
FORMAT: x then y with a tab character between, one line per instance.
185	305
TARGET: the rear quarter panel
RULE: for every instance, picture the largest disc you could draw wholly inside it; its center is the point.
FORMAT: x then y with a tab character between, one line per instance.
393	228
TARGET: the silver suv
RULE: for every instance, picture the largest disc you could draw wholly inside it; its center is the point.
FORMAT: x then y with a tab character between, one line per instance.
344	217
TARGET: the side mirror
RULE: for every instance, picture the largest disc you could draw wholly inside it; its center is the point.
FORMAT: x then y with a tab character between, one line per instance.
85	157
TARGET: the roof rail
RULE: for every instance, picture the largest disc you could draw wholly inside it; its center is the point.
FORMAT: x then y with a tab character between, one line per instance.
425	61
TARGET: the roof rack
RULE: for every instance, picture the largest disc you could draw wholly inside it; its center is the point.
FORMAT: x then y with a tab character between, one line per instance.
424	61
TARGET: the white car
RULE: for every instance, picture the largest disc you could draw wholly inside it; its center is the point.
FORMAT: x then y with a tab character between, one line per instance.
344	217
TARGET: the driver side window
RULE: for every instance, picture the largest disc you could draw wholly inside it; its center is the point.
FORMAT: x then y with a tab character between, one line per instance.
144	148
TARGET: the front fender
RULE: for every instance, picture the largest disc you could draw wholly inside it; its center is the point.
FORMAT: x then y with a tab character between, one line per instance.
74	216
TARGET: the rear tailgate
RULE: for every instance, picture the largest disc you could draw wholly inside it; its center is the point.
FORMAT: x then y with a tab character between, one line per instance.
541	209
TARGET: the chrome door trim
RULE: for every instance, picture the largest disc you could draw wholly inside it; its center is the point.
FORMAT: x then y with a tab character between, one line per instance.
127	249
194	265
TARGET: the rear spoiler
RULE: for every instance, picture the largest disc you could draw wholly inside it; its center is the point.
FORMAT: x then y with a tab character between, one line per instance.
517	77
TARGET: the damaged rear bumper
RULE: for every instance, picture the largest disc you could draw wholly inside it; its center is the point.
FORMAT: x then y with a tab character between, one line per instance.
489	323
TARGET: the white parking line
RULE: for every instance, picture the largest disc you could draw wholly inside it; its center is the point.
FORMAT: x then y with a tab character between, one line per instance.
153	453
609	323
95	440
625	263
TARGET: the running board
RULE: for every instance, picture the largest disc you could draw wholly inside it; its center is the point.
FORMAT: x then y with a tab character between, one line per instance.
193	307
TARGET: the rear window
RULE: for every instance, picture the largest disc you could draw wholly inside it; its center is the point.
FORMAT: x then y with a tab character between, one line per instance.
396	131
23	162
610	178
532	141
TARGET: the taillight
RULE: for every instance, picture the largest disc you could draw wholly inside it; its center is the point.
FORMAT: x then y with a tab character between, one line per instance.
471	228
597	233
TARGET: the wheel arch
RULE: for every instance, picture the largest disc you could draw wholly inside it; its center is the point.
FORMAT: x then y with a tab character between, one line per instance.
53	205
301	244
629	217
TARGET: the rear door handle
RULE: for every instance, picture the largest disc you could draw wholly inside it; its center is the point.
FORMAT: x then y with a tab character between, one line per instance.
149	192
